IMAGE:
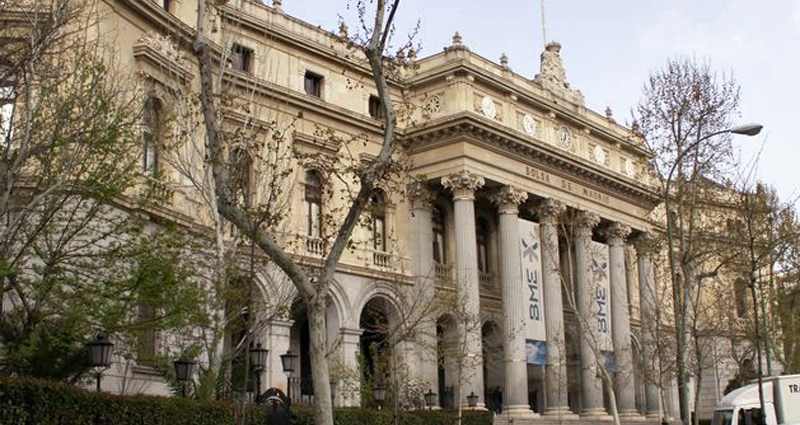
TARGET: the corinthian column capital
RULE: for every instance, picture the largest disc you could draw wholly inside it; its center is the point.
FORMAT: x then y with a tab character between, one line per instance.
585	221
616	233
420	195
549	210
508	199
645	243
463	184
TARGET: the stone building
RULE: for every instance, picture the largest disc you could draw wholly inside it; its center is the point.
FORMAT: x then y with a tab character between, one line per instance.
526	200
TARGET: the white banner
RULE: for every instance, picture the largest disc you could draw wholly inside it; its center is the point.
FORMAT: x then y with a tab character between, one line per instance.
601	288
530	250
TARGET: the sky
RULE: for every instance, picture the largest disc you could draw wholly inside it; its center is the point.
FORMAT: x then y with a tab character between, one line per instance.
609	49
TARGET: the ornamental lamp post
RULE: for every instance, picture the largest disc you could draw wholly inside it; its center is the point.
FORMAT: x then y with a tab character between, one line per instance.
258	358
184	371
430	398
379	394
287	361
100	356
472	400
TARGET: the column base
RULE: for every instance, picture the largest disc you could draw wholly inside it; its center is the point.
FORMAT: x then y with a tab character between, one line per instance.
480	407
561	412
596	413
630	415
522	411
653	414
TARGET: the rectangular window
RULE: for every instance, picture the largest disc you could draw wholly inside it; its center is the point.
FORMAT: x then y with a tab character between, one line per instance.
166	5
241	57
313	84
148	348
7	100
375	107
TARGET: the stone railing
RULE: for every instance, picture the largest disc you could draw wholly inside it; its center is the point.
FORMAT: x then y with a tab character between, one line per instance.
444	274
315	247
382	259
488	281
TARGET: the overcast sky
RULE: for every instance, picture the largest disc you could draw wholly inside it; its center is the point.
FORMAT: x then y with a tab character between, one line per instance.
610	47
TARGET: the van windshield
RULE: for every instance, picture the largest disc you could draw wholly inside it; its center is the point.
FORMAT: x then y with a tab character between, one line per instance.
722	417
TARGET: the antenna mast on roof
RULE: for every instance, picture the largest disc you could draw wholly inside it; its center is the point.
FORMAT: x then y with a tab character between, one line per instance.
544	26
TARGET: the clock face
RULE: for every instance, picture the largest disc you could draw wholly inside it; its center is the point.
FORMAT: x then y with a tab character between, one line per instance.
630	168
528	124
488	108
599	154
564	137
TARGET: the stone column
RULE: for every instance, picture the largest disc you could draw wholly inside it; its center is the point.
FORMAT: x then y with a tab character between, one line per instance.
591	385
556	370
620	320
351	339
463	185
422	267
515	395
647	297
279	338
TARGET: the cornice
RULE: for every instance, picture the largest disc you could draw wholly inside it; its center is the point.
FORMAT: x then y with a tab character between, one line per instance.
493	137
483	77
161	19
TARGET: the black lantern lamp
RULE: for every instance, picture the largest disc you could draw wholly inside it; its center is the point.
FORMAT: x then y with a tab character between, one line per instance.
100	356
472	399
379	394
184	370
287	361
258	359
430	398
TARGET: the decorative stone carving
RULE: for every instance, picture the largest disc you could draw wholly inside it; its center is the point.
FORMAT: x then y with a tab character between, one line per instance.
564	137
529	125
616	233
163	45
549	210
504	61
599	154
630	168
509	198
645	243
457	44
552	75
432	105
463	184
420	195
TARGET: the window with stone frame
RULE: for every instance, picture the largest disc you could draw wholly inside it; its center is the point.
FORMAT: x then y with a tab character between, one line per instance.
740	297
147	350
439	236
378	207
375	107
7	102
241	166
241	58
482	244
313	204
312	84
152	134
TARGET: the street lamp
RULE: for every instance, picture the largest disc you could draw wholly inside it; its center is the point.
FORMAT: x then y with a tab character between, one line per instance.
184	369
100	356
430	398
287	361
258	358
379	394
684	298
472	400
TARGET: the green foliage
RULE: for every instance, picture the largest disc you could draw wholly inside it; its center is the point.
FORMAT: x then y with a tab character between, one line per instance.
28	402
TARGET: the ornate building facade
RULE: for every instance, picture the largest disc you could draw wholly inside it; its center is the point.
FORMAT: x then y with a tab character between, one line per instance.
530	206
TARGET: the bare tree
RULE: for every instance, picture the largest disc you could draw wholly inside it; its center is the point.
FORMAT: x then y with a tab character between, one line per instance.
684	104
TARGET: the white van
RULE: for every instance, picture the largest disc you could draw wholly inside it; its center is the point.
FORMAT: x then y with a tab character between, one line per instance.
781	402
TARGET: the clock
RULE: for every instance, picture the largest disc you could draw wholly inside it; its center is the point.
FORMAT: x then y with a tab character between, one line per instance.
599	154
564	137
528	124
488	107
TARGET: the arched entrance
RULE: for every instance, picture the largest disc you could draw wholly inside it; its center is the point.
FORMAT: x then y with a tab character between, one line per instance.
447	350
376	321
493	368
301	390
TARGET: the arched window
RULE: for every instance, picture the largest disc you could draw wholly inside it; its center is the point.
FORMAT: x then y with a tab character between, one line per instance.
378	207
482	242
313	200
152	134
438	220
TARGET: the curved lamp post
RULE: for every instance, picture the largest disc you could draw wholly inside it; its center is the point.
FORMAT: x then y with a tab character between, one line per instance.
184	370
100	356
745	130
258	358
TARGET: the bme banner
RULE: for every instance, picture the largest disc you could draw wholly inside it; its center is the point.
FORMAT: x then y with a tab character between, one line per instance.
601	286
533	301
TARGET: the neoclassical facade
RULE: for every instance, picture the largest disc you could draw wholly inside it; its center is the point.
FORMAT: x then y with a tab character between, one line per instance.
530	207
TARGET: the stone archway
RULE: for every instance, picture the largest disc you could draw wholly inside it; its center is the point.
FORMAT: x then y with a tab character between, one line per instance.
301	390
376	321
493	367
447	348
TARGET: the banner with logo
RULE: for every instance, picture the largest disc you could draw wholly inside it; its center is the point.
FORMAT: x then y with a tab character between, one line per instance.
601	289
533	301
